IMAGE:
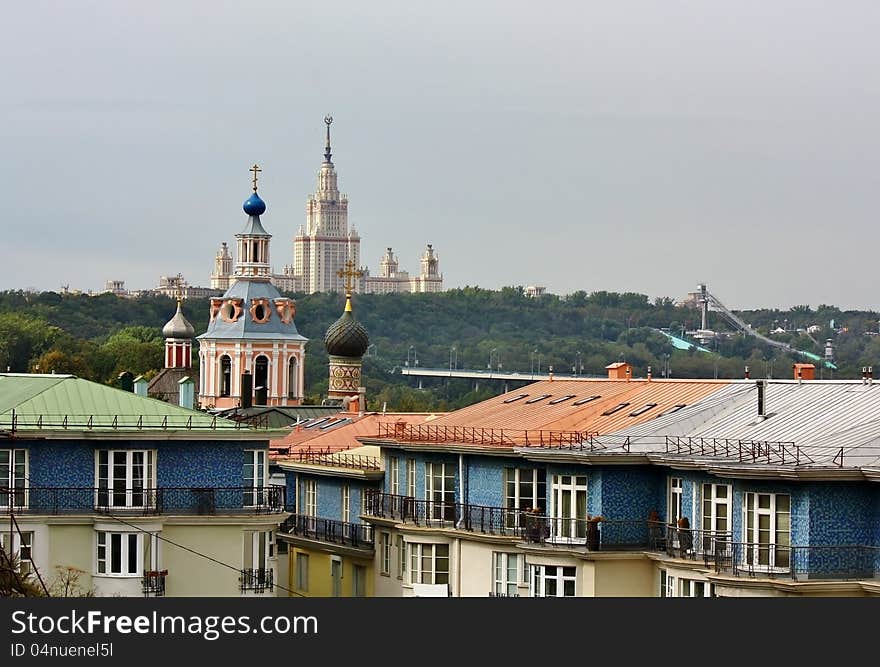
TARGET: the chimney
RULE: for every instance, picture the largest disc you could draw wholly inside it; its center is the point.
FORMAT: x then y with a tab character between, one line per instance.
187	393
864	374
362	400
247	389
126	381
140	385
649	373
551	373
804	372
870	375
762	397
628	372
747	372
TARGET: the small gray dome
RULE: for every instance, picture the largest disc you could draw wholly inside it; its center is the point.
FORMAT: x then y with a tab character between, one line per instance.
178	326
346	337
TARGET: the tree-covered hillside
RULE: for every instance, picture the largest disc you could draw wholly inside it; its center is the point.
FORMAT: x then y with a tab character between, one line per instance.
98	337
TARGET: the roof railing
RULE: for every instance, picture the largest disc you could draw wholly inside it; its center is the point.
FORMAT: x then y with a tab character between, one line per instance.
492	437
15	421
744	451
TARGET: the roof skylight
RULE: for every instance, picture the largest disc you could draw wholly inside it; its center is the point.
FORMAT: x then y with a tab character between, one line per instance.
561	399
611	411
515	398
582	401
642	410
538	398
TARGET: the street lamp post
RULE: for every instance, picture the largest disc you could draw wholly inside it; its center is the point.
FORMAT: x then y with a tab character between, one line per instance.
453	358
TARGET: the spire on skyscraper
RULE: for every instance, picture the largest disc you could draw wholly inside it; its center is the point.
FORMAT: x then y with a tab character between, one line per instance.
328	120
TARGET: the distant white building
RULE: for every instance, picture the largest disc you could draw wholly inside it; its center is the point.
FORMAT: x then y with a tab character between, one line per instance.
534	291
393	280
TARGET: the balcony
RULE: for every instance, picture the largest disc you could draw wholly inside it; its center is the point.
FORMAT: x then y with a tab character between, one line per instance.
799	563
592	534
437	514
144	501
256	580
153	583
355	535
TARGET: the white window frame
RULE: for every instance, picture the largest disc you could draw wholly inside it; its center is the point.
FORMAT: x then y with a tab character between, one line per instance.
716	518
136	490
770	555
568	515
17	483
394	475
22	548
507	572
422	554
346	503
310	497
385	553
411	478
256	482
674	497
557	575
336	567
257	550
301	564
689	588
442	500
516	479
146	546
401	557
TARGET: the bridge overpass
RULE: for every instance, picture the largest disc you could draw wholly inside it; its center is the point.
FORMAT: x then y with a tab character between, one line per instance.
478	375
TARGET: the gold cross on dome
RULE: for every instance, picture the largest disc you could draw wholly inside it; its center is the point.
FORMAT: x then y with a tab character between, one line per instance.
348	273
256	169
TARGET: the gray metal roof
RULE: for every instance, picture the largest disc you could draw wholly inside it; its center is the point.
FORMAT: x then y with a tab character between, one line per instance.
810	426
253	227
245	327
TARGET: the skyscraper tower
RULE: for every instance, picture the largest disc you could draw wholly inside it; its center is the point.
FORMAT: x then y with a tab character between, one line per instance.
222	274
251	353
326	242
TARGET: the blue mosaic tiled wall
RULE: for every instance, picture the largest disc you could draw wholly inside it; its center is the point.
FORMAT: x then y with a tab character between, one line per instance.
420	458
630	493
330	494
70	463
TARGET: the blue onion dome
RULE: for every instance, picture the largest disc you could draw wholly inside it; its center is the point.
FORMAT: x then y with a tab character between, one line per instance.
178	326
254	205
346	337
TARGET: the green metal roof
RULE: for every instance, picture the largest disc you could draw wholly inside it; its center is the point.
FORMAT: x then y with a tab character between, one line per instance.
59	403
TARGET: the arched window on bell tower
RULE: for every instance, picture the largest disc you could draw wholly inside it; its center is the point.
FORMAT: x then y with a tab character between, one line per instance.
292	378
225	375
261	373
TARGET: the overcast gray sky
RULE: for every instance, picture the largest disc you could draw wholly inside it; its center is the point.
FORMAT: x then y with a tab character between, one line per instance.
625	146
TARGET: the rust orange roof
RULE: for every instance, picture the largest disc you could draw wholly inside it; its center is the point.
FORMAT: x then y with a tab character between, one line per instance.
335	438
572	407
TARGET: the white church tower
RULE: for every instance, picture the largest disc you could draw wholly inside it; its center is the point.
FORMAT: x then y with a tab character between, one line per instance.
322	247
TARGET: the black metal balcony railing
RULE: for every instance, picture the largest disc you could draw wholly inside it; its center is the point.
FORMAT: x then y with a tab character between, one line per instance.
147	501
357	535
256	580
845	561
153	583
592	534
440	514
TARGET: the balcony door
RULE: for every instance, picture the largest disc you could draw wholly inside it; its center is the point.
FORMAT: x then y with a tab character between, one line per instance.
440	491
125	479
254	475
568	508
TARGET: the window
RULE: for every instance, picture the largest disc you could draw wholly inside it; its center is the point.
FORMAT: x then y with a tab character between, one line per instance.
225	374
767	529
584	401
346	503
524	489
674	500
513	399
302	571
642	410
256	573
506	568
394	475
310	501
440	491
125	554
568	507
126	478
429	563
611	411
401	557
411	478
561	399
13	476
254	475
674	408
537	398
359	581
385	550
694	588
261	374
292	378
553	581
336	576
716	516
667	585
21	548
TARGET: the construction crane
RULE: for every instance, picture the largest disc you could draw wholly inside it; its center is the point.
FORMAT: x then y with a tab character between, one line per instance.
707	300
